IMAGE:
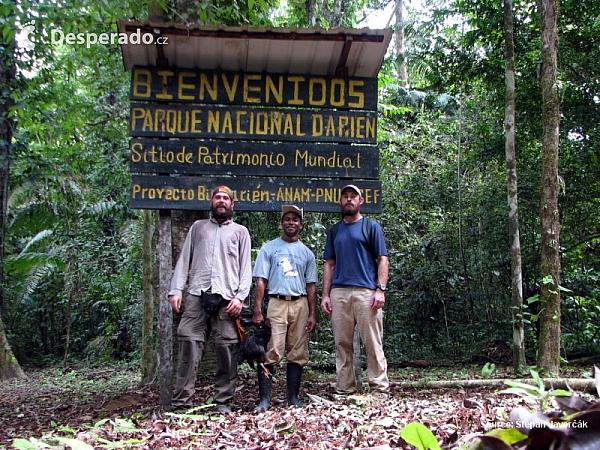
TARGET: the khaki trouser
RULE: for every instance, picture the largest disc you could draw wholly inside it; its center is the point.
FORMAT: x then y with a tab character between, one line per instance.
352	305
193	331
288	328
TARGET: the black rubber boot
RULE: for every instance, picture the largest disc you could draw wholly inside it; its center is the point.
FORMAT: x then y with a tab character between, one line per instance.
265	382
293	379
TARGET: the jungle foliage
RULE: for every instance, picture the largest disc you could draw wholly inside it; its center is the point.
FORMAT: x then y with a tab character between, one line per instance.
73	285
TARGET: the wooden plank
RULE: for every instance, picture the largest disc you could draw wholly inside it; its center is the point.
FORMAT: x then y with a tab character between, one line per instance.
253	158
251	194
262	124
252	89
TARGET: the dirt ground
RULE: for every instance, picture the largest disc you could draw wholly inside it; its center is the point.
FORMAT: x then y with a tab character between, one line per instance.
104	406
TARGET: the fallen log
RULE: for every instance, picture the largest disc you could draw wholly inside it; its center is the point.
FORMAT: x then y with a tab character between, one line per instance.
573	384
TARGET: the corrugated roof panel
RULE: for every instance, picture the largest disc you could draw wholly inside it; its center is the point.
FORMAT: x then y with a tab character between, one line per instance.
278	50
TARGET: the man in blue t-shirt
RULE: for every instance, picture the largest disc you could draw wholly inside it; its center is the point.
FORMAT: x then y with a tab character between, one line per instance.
354	284
286	269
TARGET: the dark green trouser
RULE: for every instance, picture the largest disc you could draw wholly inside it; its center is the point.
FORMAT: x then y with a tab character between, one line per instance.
193	333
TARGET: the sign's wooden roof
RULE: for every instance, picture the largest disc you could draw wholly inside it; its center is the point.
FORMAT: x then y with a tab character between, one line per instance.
316	51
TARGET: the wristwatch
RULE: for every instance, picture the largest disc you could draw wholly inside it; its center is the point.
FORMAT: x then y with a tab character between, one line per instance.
382	287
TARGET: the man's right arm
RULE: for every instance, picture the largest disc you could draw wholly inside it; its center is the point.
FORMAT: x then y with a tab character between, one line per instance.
180	273
259	295
327	281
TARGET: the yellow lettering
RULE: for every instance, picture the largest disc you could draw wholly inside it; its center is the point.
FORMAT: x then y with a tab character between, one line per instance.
317	125
196	121
137	114
204	84
138	83
288	126
271	88
360	96
231	88
343	129
330	127
183	85
248	88
296	100
311	91
227	123
213	121
340	100
136	148
238	122
371	127
165	74
298	126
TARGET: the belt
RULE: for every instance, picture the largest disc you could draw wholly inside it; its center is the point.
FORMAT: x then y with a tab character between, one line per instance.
286	297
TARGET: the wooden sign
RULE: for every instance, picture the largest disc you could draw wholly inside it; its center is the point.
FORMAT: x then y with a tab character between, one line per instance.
250	194
264	124
252	89
254	158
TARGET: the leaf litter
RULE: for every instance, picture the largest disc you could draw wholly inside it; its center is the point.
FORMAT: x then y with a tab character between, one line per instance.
105	407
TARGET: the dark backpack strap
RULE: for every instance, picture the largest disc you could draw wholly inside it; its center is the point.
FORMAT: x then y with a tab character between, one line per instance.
369	233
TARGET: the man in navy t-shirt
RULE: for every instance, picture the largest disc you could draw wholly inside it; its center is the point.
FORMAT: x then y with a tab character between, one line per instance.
354	285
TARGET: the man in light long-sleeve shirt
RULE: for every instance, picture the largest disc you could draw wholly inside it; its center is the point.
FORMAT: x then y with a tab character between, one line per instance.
215	265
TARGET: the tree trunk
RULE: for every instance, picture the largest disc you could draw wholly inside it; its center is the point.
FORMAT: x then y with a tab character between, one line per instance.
519	362
549	338
400	44
357	362
149	283
9	367
164	261
311	12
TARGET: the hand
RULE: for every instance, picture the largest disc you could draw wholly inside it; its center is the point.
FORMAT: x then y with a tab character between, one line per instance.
257	319
234	308
378	300
326	306
311	323
175	302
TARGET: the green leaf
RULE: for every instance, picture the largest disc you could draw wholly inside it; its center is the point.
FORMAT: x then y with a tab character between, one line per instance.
75	444
420	436
548	279
509	435
31	444
250	4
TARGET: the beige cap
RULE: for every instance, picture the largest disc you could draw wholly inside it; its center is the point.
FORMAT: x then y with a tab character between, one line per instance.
354	188
292	208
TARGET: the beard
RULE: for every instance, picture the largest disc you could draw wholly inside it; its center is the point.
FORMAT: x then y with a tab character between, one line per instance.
349	210
223	214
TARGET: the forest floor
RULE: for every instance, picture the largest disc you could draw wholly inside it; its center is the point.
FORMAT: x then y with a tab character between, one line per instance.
103	406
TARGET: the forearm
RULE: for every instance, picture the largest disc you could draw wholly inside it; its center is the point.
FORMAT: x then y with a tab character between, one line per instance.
259	295
328	277
383	269
311	294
